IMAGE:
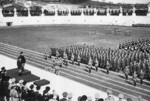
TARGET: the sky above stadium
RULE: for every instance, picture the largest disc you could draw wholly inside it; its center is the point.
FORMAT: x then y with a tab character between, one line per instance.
126	1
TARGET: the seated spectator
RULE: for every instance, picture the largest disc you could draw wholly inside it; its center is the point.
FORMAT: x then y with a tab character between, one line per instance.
3	73
46	94
54	96
15	93
31	93
109	98
83	98
13	83
4	88
37	95
64	94
120	96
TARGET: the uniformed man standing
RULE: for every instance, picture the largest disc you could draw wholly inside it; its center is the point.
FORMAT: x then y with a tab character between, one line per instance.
96	64
21	63
72	58
65	59
134	78
78	60
126	72
141	76
90	64
107	67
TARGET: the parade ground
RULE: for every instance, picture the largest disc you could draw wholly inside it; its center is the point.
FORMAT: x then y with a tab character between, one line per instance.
38	38
33	40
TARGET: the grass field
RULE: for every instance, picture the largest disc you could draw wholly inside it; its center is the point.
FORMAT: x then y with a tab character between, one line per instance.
40	37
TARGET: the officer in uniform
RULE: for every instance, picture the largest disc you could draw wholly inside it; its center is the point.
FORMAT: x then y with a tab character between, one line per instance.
78	60
90	65
107	67
65	59
141	76
72	58
22	61
126	72
96	64
134	78
50	53
57	54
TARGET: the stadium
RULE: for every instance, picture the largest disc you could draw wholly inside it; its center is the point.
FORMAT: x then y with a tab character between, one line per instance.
74	51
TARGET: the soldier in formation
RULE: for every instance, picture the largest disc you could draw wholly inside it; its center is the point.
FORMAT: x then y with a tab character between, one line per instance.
134	78
65	59
90	65
126	72
96	65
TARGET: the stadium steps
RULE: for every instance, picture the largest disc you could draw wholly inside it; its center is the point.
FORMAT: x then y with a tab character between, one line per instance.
64	71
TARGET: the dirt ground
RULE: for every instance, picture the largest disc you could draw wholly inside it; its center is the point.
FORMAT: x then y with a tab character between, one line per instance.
39	38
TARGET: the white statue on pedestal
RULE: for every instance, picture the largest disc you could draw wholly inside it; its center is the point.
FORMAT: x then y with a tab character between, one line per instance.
29	14
108	11
95	12
121	11
133	11
42	11
15	12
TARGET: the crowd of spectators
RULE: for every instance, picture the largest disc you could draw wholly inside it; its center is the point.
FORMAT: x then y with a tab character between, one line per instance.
13	90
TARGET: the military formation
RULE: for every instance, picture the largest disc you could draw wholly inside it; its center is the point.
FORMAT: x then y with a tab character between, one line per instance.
132	58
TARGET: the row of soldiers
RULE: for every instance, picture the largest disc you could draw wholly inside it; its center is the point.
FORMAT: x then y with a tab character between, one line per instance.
115	60
141	44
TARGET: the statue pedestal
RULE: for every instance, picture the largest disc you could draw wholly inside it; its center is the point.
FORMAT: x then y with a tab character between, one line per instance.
133	14
108	14
120	14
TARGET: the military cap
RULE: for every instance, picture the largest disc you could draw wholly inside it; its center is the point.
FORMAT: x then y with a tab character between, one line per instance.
121	96
64	94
